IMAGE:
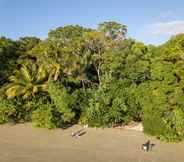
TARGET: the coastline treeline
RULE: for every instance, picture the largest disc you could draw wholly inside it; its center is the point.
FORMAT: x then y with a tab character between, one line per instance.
97	77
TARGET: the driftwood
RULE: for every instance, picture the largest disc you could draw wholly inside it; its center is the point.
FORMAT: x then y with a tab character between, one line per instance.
79	133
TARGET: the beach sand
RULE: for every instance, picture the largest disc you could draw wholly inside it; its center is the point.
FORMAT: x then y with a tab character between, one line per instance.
23	143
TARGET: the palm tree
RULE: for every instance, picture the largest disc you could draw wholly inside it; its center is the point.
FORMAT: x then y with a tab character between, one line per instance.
27	81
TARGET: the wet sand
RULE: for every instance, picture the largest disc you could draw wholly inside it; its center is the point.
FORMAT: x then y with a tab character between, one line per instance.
23	143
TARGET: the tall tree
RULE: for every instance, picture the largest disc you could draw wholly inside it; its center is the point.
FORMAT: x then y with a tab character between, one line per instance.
27	43
114	30
68	33
95	45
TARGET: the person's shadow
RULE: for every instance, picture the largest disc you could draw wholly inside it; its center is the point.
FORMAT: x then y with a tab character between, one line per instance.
152	145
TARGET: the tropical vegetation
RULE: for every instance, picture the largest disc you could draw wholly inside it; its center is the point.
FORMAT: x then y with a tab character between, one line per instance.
97	77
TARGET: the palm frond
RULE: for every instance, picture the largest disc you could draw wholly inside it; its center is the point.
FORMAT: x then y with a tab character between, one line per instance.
15	90
26	73
43	87
41	73
27	82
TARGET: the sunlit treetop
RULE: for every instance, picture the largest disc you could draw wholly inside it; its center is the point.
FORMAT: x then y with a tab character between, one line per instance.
113	29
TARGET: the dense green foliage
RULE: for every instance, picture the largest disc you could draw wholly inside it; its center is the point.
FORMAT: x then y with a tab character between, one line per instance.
43	116
164	93
62	101
112	105
7	110
95	77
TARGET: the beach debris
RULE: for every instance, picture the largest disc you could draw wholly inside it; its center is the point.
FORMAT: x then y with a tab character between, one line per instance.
78	134
85	126
130	126
134	126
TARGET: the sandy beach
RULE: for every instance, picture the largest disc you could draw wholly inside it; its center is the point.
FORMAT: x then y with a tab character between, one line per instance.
23	143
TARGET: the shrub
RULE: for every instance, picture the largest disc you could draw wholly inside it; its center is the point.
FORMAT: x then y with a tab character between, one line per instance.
43	116
112	105
80	100
24	108
93	112
7	111
62	100
163	115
